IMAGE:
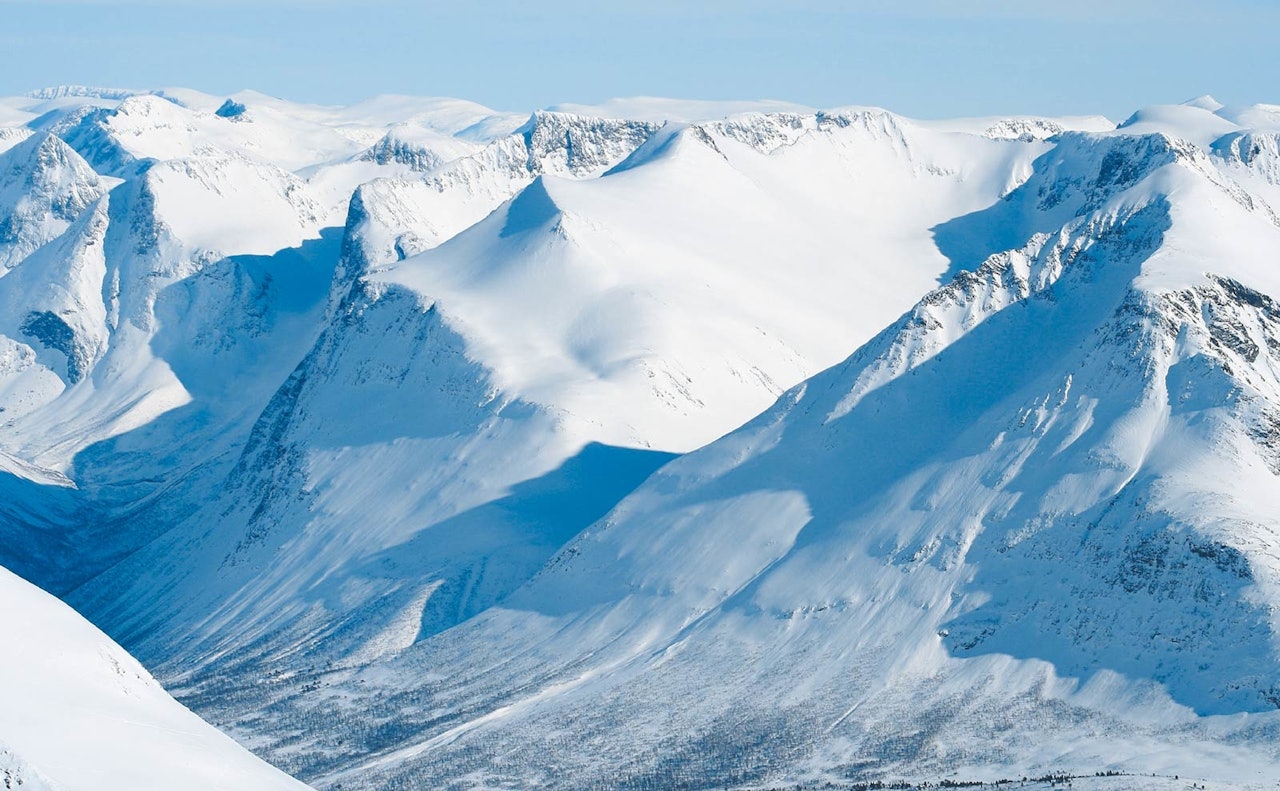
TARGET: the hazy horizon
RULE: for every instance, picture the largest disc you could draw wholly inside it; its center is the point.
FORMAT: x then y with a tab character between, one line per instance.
925	59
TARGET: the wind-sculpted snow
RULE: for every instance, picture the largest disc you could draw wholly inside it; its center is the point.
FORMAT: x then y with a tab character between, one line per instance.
362	426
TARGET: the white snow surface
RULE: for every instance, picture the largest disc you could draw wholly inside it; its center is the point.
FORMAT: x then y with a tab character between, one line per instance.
658	443
80	713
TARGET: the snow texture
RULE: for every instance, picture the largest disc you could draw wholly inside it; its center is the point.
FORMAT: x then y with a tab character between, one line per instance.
651	445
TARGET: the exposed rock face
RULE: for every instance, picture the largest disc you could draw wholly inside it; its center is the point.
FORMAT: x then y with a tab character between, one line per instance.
44	187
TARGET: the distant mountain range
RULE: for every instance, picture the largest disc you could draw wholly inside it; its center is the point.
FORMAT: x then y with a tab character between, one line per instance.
646	446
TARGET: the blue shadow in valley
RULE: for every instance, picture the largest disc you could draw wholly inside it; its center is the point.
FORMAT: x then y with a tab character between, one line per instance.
485	553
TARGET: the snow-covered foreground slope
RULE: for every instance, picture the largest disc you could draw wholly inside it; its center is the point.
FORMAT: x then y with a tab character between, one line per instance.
360	425
80	713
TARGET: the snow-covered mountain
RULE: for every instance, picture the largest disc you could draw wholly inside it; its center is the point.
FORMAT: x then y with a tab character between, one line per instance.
534	367
406	440
80	713
1029	527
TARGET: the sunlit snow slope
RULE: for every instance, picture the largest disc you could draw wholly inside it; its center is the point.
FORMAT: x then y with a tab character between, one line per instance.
360	426
549	312
1029	527
80	713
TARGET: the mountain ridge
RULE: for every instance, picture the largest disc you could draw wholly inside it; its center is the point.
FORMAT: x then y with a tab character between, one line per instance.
788	447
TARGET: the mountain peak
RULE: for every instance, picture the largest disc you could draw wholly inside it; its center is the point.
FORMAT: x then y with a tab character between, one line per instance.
532	208
1205	102
44	186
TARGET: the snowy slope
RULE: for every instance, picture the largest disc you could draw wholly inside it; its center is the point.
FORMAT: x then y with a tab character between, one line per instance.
1028	528
44	186
587	294
575	337
144	331
80	713
311	407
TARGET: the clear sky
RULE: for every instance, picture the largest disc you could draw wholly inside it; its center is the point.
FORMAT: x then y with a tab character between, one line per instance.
927	58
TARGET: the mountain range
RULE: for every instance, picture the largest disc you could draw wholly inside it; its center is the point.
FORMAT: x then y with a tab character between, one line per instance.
651	445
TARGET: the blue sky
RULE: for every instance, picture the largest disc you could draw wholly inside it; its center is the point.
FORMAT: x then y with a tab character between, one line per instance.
928	58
